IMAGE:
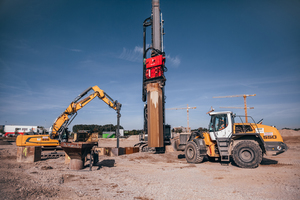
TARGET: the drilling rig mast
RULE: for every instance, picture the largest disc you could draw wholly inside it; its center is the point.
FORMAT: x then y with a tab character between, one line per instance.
154	80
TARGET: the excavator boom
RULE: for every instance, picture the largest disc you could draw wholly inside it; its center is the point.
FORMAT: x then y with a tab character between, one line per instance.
62	122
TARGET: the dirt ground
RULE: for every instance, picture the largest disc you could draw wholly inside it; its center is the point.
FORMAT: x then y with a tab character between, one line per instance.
151	176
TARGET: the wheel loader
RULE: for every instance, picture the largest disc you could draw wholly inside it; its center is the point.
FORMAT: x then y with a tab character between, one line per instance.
243	143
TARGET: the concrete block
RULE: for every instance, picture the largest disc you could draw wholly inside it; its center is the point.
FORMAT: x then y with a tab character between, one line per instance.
29	154
124	150
111	151
130	150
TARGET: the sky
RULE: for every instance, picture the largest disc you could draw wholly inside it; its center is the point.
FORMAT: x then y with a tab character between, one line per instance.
52	50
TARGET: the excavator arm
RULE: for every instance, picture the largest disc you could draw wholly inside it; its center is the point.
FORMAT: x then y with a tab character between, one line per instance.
63	121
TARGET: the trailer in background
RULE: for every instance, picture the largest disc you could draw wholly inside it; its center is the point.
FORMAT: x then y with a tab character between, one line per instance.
14	130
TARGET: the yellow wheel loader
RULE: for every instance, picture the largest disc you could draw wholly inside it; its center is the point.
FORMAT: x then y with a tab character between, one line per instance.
245	143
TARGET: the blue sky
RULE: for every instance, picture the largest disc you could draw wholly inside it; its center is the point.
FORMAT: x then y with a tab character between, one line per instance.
51	51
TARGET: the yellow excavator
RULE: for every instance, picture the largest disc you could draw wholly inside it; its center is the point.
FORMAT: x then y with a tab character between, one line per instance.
58	132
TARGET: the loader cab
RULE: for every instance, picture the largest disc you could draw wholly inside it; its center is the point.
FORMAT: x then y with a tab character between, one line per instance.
220	125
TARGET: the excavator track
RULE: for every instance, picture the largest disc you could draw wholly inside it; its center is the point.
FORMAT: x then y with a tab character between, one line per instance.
52	152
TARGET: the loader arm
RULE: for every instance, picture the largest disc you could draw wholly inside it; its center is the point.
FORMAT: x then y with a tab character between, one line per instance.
63	121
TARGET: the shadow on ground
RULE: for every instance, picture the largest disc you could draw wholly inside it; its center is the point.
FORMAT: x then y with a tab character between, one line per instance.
106	163
267	161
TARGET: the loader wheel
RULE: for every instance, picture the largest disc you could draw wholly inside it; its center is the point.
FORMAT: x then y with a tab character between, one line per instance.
192	153
247	154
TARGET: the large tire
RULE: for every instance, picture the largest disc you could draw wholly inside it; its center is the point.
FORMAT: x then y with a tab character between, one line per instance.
192	153
247	154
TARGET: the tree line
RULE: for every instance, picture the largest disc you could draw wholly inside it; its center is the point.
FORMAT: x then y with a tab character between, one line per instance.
94	128
179	130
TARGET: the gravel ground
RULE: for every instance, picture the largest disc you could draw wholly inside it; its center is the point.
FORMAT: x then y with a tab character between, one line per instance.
152	176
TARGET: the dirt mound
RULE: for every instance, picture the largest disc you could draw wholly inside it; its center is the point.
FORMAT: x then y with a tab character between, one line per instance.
291	139
290	136
285	132
133	138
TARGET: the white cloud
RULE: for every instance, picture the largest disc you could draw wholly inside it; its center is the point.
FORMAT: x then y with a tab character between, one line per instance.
138	49
174	61
132	55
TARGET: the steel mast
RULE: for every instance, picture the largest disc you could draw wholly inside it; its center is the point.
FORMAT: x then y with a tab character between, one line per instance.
154	80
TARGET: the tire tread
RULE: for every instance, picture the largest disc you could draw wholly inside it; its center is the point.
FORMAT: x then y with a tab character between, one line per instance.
257	153
198	158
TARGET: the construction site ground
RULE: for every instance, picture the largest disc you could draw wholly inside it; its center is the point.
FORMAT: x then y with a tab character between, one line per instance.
151	176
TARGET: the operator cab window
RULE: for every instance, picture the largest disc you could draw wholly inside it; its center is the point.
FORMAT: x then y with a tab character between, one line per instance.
218	123
211	124
243	128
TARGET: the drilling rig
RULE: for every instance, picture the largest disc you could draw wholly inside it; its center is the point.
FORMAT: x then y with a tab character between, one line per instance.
154	80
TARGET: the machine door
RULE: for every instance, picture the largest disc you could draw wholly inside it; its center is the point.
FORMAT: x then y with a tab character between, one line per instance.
220	126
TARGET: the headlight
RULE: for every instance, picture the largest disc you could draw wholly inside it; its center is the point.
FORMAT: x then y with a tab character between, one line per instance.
279	148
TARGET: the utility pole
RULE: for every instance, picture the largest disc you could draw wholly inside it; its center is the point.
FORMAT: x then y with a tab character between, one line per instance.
245	102
154	80
187	111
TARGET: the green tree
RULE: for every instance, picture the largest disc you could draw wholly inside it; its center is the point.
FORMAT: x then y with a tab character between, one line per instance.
94	128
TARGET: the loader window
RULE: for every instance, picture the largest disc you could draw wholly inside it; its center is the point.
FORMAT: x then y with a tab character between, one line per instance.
243	128
211	124
218	123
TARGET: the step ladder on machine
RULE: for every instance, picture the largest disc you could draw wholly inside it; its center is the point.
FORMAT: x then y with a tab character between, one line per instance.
224	147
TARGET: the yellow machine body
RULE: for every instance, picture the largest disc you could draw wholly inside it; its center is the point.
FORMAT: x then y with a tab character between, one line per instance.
85	137
36	140
267	133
